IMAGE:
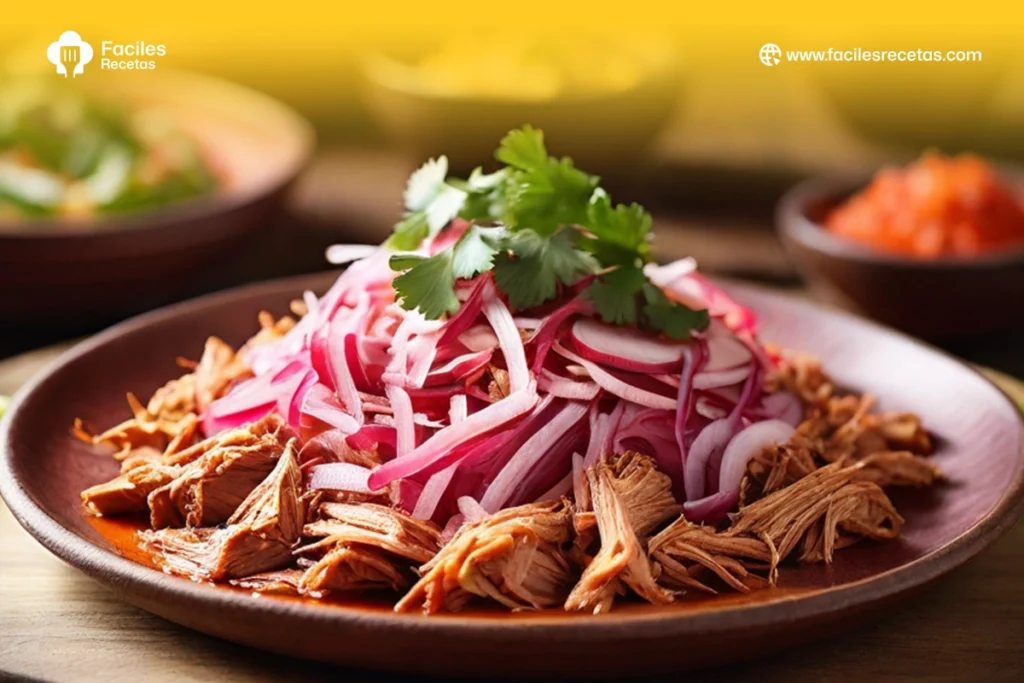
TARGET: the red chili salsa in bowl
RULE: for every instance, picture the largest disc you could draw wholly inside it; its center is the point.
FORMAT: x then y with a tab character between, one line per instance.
937	206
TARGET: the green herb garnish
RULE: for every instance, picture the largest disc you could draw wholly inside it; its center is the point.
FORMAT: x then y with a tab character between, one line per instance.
538	224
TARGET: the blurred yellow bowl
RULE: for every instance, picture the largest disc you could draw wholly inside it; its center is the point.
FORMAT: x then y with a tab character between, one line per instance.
601	116
914	105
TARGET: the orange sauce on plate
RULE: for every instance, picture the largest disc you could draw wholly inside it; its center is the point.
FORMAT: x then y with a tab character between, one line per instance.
121	534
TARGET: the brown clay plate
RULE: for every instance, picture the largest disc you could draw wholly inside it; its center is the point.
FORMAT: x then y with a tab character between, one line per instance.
43	469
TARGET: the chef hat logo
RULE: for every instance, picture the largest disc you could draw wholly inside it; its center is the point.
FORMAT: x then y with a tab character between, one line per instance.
62	59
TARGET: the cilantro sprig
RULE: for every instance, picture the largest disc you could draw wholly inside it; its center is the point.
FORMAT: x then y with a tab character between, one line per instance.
538	225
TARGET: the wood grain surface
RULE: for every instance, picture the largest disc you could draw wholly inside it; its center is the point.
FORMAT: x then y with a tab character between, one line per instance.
58	625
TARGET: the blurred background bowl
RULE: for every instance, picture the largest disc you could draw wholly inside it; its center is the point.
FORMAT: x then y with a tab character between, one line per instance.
57	272
600	104
954	107
945	299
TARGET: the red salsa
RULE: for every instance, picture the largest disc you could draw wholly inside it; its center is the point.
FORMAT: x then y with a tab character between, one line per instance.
937	206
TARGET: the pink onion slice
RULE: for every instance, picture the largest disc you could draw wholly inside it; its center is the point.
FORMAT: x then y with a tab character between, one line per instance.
471	510
458	368
544	336
693	360
721	378
711	509
711	440
625	348
725	351
745	445
710	408
529	454
663	276
371	437
563	387
561	488
457	409
784	406
443	443
341	374
321	403
616	386
433	491
479	338
422	351
467	315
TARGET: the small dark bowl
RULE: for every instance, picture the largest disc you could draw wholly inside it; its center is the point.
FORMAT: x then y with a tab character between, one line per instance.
61	273
945	299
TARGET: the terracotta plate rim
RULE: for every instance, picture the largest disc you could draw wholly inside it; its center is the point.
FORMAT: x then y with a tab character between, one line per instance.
126	576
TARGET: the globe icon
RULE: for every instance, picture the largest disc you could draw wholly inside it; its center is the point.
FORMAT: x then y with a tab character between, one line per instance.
770	54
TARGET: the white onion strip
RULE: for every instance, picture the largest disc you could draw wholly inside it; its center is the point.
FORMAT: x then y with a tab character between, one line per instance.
511	343
340	476
405	428
457	409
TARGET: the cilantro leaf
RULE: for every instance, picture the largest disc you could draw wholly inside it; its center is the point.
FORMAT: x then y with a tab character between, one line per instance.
628	227
410	231
673	319
551	196
523	148
475	250
485	198
431	202
530	267
614	294
552	225
405	261
425	183
542	193
429	286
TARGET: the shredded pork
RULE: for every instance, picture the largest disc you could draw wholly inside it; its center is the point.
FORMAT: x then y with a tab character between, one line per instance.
630	499
258	537
233	507
513	557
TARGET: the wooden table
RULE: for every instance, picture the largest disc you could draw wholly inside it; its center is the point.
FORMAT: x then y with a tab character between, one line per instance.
58	625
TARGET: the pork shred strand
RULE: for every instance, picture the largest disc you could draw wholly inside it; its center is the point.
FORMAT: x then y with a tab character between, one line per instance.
258	537
363	546
630	498
513	557
830	508
200	485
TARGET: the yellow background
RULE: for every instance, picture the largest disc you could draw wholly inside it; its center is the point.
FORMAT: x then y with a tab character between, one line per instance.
307	53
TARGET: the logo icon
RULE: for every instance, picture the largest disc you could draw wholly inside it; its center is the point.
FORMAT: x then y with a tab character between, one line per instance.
770	54
69	54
